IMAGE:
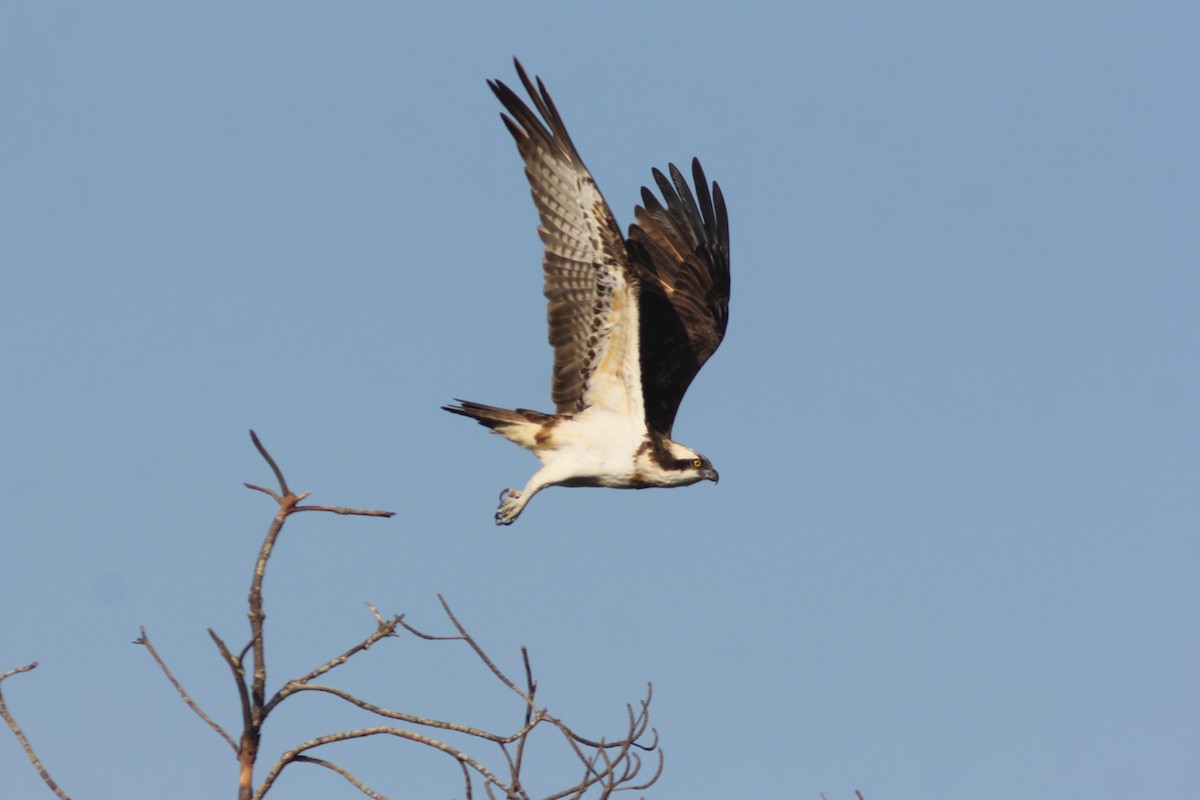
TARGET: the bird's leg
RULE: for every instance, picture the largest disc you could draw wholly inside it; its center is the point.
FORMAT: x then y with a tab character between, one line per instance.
512	502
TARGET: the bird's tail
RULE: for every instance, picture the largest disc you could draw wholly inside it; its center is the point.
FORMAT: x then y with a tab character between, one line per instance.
520	425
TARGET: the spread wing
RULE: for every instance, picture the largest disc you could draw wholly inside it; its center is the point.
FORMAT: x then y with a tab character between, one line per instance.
592	308
680	255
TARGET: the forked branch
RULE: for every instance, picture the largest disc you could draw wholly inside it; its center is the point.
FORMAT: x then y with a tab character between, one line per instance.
144	640
608	765
16	729
252	691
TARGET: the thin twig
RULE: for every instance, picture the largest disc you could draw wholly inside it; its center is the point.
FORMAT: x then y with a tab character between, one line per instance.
343	772
643	718
530	683
657	774
607	770
530	689
274	494
479	651
384	629
145	642
589	768
424	721
283	487
25	745
18	670
625	759
428	636
292	754
341	510
467	779
239	677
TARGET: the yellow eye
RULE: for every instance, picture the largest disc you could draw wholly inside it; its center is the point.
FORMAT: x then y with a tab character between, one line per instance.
697	463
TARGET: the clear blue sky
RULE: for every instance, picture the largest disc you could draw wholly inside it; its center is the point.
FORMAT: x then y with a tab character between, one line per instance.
955	550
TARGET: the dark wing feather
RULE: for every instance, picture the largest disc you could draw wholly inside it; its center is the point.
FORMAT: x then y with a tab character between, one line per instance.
585	264
680	254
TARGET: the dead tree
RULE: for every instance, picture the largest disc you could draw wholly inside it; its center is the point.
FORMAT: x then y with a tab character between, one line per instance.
604	766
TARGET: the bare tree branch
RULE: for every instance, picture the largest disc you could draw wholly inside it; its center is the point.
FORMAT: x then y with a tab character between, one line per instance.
530	708
291	755
253	693
25	745
247	750
274	495
466	637
425	721
340	771
262	451
284	491
256	614
429	636
239	678
346	511
144	641
384	629
467	780
608	765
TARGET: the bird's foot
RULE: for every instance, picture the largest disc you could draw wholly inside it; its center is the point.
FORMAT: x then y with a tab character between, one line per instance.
510	507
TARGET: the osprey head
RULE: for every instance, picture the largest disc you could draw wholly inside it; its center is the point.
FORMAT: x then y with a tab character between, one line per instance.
687	465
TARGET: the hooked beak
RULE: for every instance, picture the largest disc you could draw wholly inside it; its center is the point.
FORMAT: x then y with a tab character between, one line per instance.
712	475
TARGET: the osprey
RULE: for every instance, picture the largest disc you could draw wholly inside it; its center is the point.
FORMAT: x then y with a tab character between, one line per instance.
632	319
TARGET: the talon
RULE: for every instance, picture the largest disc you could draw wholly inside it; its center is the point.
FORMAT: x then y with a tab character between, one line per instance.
510	504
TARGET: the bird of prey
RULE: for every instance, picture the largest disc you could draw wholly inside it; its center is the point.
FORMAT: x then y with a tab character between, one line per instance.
632	319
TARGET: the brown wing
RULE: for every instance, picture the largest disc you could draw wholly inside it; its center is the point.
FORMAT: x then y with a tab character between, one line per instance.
680	254
590	297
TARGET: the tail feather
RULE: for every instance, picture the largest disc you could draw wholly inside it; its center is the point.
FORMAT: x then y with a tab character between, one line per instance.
497	417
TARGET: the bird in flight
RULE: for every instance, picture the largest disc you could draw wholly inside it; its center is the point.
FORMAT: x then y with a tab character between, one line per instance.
632	319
